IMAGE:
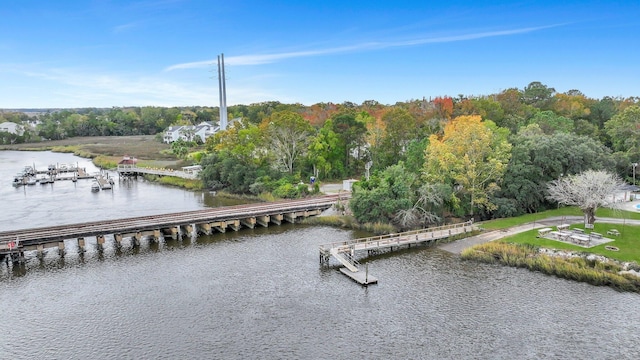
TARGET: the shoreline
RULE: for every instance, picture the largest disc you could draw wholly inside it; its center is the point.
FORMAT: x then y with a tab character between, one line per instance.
575	265
458	246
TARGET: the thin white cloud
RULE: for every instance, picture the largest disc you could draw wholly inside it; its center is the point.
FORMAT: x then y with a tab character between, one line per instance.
82	88
271	58
124	27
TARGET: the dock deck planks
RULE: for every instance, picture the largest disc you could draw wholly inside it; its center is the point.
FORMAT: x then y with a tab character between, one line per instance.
361	277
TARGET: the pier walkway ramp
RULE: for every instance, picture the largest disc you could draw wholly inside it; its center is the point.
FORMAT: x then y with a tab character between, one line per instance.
345	251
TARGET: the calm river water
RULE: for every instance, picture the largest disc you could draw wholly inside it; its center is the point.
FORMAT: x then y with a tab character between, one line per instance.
261	294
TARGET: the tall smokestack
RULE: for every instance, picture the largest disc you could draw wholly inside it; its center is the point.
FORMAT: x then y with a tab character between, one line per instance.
224	94
222	89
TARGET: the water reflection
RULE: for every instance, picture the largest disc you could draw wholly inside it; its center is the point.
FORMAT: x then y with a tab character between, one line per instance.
261	293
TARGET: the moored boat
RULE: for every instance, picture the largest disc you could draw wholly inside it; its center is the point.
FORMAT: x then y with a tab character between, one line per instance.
95	187
18	180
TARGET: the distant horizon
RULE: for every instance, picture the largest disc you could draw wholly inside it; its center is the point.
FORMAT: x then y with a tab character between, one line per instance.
285	103
161	53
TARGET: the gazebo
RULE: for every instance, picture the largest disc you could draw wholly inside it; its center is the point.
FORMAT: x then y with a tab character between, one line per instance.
127	165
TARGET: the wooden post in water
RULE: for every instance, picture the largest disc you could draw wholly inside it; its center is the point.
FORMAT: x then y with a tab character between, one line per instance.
136	239
61	248
118	238
366	274
100	241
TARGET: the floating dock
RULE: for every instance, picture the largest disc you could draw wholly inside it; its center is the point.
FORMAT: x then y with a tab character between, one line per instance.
104	182
361	277
59	172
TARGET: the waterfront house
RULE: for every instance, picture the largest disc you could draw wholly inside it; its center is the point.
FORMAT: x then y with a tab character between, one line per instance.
12	128
171	134
189	132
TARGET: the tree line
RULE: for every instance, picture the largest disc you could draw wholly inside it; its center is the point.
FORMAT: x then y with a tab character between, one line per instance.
419	160
424	160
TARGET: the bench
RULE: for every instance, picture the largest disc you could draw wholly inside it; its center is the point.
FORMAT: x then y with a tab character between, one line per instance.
595	235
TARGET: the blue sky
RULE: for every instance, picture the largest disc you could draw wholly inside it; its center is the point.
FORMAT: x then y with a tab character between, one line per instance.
100	53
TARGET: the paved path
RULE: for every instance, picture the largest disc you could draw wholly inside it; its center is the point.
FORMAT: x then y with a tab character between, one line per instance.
331	188
456	247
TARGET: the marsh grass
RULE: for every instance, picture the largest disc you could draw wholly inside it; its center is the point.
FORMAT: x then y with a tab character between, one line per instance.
189	184
267	197
576	268
349	222
105	162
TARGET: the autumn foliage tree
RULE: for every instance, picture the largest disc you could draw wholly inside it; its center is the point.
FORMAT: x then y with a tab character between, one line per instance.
471	156
444	107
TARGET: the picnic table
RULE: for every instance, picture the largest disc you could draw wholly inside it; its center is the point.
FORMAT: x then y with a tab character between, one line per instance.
613	232
595	235
562	235
580	239
563	226
544	231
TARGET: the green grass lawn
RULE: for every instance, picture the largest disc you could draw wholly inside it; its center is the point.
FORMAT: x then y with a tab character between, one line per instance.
529	218
628	242
565	211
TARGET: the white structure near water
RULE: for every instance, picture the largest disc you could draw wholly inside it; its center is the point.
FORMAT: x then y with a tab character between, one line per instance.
12	128
190	132
347	185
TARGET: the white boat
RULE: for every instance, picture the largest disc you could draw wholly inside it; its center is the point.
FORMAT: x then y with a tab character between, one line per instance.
18	180
95	187
31	180
29	170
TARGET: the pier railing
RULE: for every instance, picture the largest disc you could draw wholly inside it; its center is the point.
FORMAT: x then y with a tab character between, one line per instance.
402	238
160	172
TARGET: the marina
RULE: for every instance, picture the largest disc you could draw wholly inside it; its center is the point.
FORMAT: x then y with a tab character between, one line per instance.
30	175
126	169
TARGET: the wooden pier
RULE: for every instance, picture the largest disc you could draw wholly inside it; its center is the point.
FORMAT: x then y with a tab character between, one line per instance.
174	225
134	171
127	168
345	251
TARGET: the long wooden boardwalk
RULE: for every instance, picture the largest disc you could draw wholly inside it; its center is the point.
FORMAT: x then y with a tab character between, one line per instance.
135	171
345	252
171	225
